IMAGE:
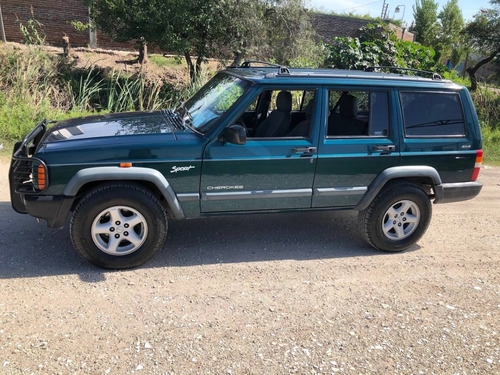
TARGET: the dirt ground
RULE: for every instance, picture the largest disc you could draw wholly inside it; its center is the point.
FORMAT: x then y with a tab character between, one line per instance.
263	294
124	62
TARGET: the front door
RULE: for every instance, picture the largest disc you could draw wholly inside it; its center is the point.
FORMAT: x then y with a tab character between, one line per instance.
271	171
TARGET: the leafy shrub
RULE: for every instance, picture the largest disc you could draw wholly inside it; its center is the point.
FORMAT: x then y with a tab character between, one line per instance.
377	45
33	33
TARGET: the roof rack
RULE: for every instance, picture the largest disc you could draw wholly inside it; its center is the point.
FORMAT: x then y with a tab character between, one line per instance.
282	70
248	64
433	75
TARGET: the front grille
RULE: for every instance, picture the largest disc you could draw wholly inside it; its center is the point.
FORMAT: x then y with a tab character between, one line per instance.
23	176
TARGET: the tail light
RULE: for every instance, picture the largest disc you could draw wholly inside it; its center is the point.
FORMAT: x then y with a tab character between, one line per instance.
477	166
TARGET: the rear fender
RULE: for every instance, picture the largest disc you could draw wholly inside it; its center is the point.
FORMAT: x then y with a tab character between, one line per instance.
408	172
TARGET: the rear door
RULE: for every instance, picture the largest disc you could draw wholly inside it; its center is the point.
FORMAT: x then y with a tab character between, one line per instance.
358	141
435	133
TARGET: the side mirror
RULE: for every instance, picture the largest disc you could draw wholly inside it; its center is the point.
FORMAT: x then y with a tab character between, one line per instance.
235	134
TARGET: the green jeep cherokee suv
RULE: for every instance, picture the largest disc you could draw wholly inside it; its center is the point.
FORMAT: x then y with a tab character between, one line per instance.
257	138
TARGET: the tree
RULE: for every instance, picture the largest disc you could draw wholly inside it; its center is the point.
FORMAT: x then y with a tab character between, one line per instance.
246	30
190	28
124	20
187	27
426	25
483	34
209	28
451	43
289	31
279	30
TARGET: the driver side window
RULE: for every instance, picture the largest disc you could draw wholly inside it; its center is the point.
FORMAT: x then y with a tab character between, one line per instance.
279	114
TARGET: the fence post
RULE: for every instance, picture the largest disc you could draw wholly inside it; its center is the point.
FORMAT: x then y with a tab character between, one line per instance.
1	26
92	33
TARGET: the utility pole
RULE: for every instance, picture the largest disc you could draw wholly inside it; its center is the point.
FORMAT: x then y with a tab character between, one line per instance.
1	26
383	14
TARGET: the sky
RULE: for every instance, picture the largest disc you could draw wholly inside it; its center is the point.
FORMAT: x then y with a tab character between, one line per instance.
374	7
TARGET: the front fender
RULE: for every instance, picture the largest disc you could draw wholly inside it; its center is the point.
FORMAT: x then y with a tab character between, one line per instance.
87	175
413	171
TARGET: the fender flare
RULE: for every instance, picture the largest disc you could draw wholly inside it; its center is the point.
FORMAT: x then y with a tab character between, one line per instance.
400	172
94	174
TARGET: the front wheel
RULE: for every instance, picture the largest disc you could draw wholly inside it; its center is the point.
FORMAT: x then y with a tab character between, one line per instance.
397	218
118	226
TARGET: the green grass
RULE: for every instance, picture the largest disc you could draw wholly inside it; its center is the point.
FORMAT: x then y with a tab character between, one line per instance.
457	78
162	61
491	145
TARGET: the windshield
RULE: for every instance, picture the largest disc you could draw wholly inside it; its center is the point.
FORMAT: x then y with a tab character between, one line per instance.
213	100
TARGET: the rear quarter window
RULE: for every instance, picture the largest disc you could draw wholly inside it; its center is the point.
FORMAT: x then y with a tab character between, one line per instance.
432	114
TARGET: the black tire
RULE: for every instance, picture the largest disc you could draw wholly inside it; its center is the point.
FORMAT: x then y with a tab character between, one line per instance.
401	231
137	232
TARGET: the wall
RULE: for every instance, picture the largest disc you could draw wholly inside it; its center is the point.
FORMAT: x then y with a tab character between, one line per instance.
329	26
55	15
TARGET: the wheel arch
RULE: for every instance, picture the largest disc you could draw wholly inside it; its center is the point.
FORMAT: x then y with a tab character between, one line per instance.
153	180
420	175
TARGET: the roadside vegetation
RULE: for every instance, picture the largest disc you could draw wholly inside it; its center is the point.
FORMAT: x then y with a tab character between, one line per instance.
37	84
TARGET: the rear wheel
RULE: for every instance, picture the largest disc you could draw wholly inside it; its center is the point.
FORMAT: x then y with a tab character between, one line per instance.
397	218
118	226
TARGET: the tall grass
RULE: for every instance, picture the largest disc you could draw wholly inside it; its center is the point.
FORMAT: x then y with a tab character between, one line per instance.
36	85
487	102
491	144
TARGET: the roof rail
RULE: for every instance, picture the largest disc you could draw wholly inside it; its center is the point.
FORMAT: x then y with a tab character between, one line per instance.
248	64
284	71
433	75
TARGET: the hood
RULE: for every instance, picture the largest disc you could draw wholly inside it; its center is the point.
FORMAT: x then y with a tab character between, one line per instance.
115	124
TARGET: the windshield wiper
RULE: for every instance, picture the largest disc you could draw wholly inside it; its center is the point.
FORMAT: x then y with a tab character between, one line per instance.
436	123
186	118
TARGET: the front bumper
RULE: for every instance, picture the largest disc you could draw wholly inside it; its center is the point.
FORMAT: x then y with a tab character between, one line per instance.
456	192
26	194
53	209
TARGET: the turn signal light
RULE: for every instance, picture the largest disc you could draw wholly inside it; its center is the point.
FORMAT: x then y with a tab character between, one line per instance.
477	166
125	165
40	175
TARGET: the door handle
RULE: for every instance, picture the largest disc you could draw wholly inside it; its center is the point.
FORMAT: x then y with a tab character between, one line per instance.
384	148
304	150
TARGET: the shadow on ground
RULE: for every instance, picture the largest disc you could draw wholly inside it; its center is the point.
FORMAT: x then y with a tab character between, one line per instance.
31	249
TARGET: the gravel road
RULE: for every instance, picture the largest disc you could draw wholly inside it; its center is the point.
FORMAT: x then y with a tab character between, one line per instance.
294	293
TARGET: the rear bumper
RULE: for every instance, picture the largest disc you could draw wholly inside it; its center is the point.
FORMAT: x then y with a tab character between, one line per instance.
456	192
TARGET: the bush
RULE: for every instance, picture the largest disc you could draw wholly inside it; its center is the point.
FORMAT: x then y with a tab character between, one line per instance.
377	45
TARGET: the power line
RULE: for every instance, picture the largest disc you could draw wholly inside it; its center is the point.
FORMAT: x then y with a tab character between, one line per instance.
360	6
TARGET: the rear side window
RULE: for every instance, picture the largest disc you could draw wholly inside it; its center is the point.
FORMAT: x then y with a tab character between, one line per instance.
358	114
429	114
